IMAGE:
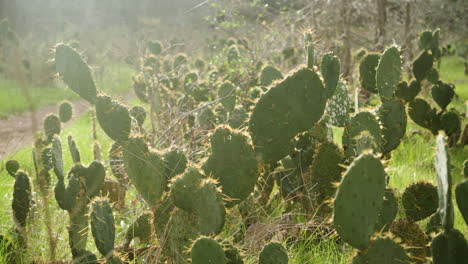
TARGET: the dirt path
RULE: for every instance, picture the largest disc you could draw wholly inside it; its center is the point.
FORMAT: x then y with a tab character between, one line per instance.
16	131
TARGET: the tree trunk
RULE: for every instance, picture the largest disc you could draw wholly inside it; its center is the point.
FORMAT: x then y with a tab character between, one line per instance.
346	14
408	48
381	22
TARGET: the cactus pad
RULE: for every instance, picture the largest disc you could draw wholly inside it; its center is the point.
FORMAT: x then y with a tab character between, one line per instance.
288	108
362	121
339	106
408	93
102	226
388	212
155	47
227	95
449	247
383	250
75	72
413	237
206	250
51	125
12	166
330	68
65	111
175	163
392	116
139	113
113	117
22	197
273	253
420	200
422	65
388	73
442	94
421	112
233	164
269	74
367	72
461	195
355	211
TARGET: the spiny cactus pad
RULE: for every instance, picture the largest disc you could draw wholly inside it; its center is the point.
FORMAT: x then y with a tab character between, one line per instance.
422	65
367	72
175	163
461	195
155	47
65	111
233	164
269	74
273	253
330	68
362	121
339	106
22	197
113	117
388	212
227	94
288	108
75	72
408	93
383	250
206	250
51	125
411	235
355	211
449	247
12	166
388	73
145	169
392	116
442	94
140	228
420	200
444	182
421	112
102	226
139	113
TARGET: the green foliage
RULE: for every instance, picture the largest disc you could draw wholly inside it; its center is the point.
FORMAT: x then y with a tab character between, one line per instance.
207	250
145	168
75	72
269	74
288	108
65	111
114	118
180	62
330	68
367	72
355	211
388	73
273	253
233	164
420	200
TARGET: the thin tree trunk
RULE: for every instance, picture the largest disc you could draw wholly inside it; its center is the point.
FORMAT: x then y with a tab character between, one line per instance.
346	14
381	22
408	49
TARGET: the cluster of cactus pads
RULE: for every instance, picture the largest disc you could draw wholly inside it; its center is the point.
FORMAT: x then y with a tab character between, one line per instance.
279	130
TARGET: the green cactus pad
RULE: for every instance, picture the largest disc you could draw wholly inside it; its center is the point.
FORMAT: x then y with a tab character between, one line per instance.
461	195
22	198
339	106
434	225
433	76
388	73
65	111
392	117
238	117
465	169
422	65
444	182
206	250
179	61
190	81
227	94
12	166
102	226
362	121
420	200
356	212
449	247
388	212
232	54
408	93
421	112
425	40
269	74
326	169
140	228
383	250
51	125
113	117
206	119
145	169
233	164
175	163
367	72
330	68
140	89
273	253
411	235
75	72
74	152
47	158
451	123
200	65
288	108
155	47
139	113
309	47
442	94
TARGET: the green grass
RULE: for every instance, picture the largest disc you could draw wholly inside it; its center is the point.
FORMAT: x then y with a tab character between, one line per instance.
113	79
411	162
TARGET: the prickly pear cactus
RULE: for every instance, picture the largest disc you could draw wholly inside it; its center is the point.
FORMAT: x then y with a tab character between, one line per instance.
65	111
442	94
206	250
269	74
461	195
273	253
175	163
155	47
145	169
444	183
51	126
367	72
233	54
22	197
330	68
227	94
140	228
180	61
388	73
233	164
238	117
421	112
392	117
362	121
75	72
288	108
411	235
408	93
420	200
422	65
102	226
382	250
388	212
355	211
339	106
449	246
12	166
113	117
139	114
206	119
309	47
74	152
